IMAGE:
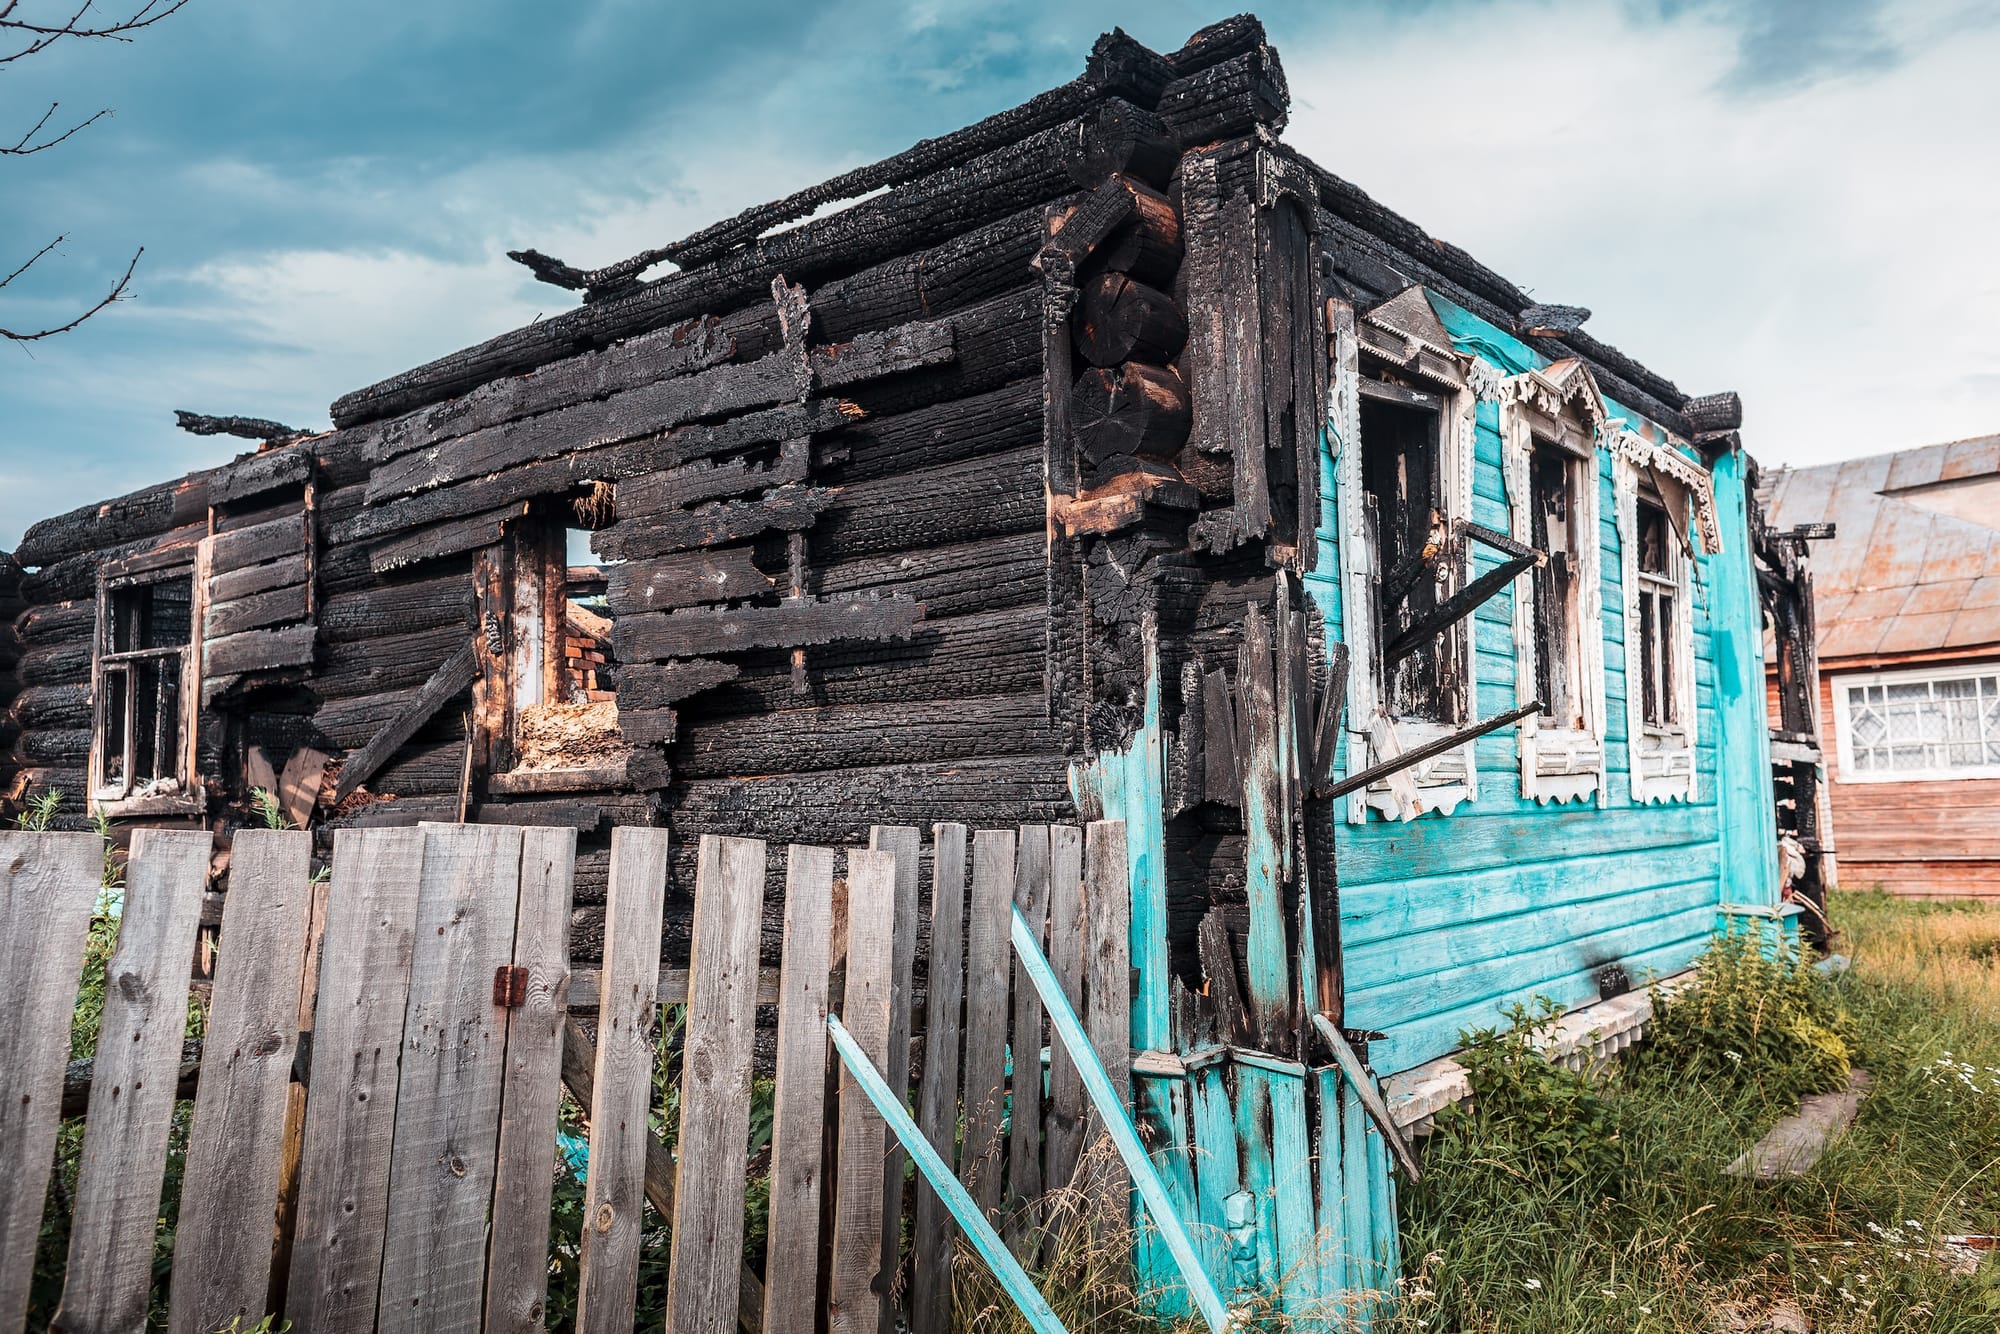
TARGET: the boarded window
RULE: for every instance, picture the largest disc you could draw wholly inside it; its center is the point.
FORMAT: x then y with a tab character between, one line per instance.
145	646
1402	475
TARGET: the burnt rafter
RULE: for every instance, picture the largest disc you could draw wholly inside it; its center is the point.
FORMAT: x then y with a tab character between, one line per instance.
261	429
1375	773
1521	558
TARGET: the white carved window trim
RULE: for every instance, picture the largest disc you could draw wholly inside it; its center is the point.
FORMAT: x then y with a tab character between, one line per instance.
1662	760
1558	764
1446	781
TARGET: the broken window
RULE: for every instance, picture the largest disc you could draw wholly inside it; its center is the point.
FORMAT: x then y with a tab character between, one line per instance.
1401	472
1655	500
145	671
1553	484
1659	593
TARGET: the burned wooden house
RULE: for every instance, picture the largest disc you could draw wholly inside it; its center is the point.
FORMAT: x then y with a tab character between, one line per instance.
1104	459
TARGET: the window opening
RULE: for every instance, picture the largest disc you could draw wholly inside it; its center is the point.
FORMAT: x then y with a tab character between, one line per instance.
147	639
1659	591
563	666
1403	482
1552	478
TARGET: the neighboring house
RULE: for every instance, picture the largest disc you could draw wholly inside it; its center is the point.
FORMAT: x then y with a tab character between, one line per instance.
1908	605
1044	482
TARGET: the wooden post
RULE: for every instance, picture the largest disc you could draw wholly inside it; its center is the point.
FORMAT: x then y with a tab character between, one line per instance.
854	1302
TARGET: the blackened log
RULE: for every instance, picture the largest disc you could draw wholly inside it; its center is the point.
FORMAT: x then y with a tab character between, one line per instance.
278	607
655	686
1117	136
450	680
1230	98
841	805
1713	412
76	576
685	580
657	636
962	272
998	343
52	706
424	768
258	474
271	540
1133	409
385	663
883	352
1127	68
1147	245
586	817
30	782
952	580
254	579
64	662
854	736
53	621
1216	43
451	538
395	608
237	518
957	502
648	727
947	432
663	354
1548	321
93	528
787	509
348	721
398	813
256	651
658	493
1119	319
55	747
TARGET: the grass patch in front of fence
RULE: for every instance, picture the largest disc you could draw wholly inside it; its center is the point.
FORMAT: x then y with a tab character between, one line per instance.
1567	1203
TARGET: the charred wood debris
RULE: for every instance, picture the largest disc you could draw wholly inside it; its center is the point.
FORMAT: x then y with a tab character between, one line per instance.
902	505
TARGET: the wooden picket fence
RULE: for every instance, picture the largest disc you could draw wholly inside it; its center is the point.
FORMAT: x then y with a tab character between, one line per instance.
401	1177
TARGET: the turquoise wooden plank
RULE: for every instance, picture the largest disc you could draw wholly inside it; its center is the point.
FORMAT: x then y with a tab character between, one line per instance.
1216	1174
1301	1292
1253	1147
1034	1308
1369	1282
1487	834
1336	1273
1162	1208
1749	834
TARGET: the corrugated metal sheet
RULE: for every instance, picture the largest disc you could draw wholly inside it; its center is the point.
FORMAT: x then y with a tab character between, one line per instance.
1899	576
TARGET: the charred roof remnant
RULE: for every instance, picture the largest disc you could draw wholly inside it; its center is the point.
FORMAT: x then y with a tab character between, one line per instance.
1540	321
261	429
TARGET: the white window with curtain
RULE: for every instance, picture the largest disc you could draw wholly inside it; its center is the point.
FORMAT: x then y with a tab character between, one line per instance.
1939	723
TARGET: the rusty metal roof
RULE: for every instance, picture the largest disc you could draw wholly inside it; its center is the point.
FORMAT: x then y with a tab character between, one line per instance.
1914	565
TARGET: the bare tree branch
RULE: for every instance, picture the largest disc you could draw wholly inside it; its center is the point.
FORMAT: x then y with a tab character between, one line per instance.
31	260
35	37
25	147
114	294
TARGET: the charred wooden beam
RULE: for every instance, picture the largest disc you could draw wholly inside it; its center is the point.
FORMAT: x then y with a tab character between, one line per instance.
1547	321
785	509
257	651
685	579
1455	608
595	284
1120	319
656	636
269	470
1117	137
244	428
1429	750
1134	409
1227	99
449	681
1713	412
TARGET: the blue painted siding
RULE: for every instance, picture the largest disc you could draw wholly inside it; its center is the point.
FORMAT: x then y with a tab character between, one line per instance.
1445	920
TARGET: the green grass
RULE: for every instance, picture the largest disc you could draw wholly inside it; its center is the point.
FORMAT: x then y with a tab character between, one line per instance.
1568	1204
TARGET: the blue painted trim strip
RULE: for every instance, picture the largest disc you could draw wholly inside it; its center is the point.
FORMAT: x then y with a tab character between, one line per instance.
1019	1287
1118	1122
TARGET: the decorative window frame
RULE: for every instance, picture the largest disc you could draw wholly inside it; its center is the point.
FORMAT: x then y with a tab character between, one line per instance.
1444	782
1662	760
1843	724
1558	764
188	795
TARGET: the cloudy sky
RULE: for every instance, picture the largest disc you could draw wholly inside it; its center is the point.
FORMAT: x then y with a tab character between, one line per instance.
1796	199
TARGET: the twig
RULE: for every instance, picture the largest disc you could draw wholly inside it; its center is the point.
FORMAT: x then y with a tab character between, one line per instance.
114	294
24	148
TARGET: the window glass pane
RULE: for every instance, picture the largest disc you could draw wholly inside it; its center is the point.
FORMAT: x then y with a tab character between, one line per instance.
115	685
146	719
169	614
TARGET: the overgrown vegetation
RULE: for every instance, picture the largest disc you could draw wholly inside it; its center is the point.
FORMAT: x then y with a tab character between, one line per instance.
1569	1201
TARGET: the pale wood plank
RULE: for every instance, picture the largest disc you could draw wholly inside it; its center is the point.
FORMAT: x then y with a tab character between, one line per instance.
448	1101
713	1147
855	1299
229	1192
988	965
1067	1104
1107	989
937	1096
124	1157
1024	1121
295	1107
364	984
622	1081
904	843
517	1270
798	1116
48	886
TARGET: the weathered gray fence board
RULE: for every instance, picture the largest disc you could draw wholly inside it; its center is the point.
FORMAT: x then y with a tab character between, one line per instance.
48	886
622	1083
937	1096
987	968
222	1258
517	1268
854	1300
715	1086
1066	1104
903	842
364	984
124	1156
1107	991
798	1111
1024	1122
448	1100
